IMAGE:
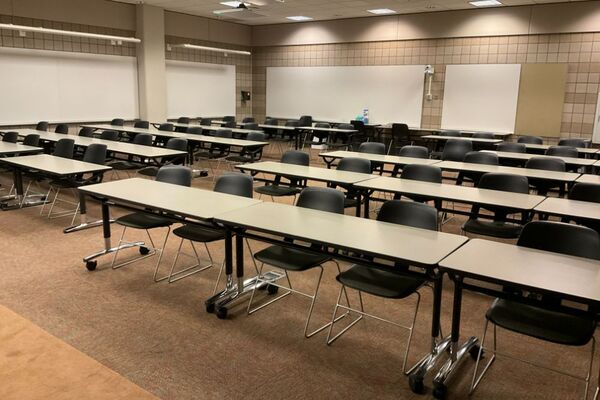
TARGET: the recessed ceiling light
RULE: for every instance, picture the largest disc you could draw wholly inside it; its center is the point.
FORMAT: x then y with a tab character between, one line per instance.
231	3
299	18
381	11
485	3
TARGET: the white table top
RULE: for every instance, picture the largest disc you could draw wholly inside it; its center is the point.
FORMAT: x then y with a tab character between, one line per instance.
462	194
17	148
438	130
582	150
130	129
589	178
338	130
528	172
182	200
386	159
470	139
282	127
54	165
527	156
214	128
225	141
376	238
535	269
306	172
570	208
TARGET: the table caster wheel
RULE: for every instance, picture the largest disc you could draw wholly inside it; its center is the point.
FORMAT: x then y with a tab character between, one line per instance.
222	313
416	384
474	352
91	265
144	250
271	289
439	391
210	307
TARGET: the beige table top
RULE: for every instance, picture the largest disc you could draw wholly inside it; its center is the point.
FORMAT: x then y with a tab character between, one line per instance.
463	194
385	159
535	269
17	148
463	132
470	139
54	165
582	150
225	141
369	236
182	200
282	127
589	178
306	172
527	156
130	129
528	172
214	128
569	208
338	130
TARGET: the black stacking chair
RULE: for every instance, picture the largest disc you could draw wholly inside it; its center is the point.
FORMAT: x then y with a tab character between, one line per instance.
562	151
498	227
387	284
141	124
11	137
233	183
341	140
117	122
542	186
171	174
305	120
229	124
410	151
276	189
511	147
585	192
573	142
64	148
182	120
42	126
110	135
173	144
456	149
400	137
216	151
424	173
251	126
483	135
538	319
133	162
86	132
360	136
248	120
530	140
373	148
229	118
299	260
352	164
205	121
32	139
322	136
195	130
476	157
451	133
285	137
166	127
62	129
249	154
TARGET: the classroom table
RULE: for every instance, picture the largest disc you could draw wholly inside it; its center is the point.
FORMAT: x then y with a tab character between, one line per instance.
570	278
544	147
328	130
332	176
470	139
437	131
9	149
126	129
46	164
589	178
331	156
569	208
179	202
580	162
216	128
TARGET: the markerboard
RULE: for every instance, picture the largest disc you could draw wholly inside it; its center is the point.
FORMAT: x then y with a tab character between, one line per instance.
481	97
199	89
391	93
66	87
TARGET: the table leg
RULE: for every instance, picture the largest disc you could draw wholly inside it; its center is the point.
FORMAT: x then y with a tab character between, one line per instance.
19	201
367	197
83	220
358	203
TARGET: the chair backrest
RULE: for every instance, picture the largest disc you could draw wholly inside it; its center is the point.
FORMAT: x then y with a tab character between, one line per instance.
110	135
506	182
11	137
33	139
345	126
322	125
295	157
256	136
322	199
417	215
562	151
358	125
183	120
229	118
175	174
414	151
64	148
483	135
86	132
177	144
573	142
247	120
166	127
224	133
95	154
42	126
195	130
117	122
512	147
530	140
271	121
481	157
305	120
451	133
558	237
585	192
354	164
205	121
372	148
141	124
62	128
425	173
235	183
145	139
229	124
292	123
251	126
456	149
548	164
400	130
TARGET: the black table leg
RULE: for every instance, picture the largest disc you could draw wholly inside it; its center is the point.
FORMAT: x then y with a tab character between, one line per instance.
366	199
83	221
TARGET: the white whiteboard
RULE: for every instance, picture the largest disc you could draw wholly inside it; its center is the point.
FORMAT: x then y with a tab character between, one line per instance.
481	97
57	86
198	89
391	93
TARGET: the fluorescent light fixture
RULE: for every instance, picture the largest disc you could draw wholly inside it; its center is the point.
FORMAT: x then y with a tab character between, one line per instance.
485	3
113	39
299	18
231	3
381	11
206	48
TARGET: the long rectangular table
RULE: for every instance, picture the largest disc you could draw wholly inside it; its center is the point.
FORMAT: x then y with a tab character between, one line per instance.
580	162
589	178
330	156
215	128
581	150
569	208
7	148
470	139
328	130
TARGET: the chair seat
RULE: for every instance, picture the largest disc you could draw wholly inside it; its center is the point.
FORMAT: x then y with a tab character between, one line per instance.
540	323
277	190
140	220
501	230
378	282
148	171
290	259
125	165
199	233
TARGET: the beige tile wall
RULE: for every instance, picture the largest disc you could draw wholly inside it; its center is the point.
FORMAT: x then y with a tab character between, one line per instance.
580	51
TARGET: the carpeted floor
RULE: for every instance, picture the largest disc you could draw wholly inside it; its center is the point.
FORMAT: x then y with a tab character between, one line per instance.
159	336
